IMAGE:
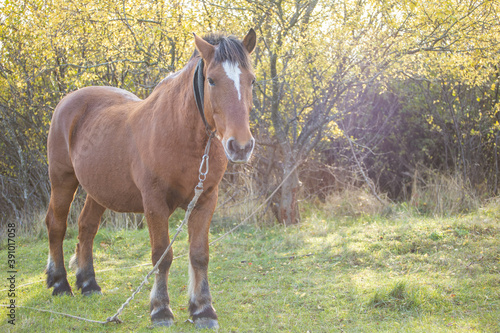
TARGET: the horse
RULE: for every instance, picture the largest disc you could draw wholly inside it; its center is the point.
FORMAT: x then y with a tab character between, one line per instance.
143	156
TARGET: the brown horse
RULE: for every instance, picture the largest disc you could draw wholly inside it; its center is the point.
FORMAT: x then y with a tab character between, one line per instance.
143	156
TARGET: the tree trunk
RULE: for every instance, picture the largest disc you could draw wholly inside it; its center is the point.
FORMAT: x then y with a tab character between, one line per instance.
288	207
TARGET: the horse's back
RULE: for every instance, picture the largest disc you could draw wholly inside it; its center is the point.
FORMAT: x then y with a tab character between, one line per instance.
89	136
90	99
80	106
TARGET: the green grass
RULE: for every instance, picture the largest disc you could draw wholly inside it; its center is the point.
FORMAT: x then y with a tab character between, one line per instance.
370	274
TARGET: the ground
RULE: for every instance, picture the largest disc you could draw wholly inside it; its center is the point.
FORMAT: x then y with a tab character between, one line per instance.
399	273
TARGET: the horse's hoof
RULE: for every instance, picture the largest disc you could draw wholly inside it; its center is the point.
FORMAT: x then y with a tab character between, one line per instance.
62	288
163	323
91	293
206	323
162	317
62	293
89	288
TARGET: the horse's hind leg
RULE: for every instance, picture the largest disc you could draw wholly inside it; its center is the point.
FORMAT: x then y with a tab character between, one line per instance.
88	224
63	191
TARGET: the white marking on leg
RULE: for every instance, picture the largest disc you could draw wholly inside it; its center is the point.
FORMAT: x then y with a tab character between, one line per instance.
191	291
233	72
49	261
201	309
153	291
73	262
50	265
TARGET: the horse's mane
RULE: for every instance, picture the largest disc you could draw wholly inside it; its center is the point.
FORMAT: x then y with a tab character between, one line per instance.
228	48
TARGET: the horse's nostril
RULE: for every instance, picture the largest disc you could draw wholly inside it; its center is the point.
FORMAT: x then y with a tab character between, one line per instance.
249	146
237	152
232	145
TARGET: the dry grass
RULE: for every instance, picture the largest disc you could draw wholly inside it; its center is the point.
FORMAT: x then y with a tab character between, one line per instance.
439	194
354	201
239	198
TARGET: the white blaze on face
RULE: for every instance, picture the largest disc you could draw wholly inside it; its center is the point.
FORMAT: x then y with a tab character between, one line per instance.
233	72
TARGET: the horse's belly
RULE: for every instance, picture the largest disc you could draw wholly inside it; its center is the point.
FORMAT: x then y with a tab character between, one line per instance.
122	204
115	193
106	177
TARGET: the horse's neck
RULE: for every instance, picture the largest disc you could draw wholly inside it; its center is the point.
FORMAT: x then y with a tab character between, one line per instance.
172	105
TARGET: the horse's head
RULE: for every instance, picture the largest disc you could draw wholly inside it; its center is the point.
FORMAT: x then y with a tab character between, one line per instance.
228	85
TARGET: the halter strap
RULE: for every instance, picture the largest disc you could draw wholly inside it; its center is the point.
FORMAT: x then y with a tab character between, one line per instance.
199	86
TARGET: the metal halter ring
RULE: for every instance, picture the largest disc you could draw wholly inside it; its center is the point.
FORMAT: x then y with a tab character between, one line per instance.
204	161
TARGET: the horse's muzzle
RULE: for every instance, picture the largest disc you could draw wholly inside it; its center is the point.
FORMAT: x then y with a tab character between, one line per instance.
237	152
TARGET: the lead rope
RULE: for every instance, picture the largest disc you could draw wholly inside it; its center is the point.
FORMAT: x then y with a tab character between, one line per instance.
198	190
198	85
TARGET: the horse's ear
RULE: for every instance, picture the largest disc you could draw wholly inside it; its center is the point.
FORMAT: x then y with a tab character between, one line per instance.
250	40
205	48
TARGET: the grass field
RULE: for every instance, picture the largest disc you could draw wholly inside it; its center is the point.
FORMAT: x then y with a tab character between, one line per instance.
399	273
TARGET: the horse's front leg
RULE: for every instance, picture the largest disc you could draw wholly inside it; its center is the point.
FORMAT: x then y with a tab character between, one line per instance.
200	300
157	218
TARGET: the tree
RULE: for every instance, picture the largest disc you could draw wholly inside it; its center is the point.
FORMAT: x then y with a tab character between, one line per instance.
322	65
380	85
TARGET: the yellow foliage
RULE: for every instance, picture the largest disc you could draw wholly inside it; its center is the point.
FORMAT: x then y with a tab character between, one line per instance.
321	49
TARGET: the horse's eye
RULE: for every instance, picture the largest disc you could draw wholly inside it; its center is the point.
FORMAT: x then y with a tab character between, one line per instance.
253	81
211	81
